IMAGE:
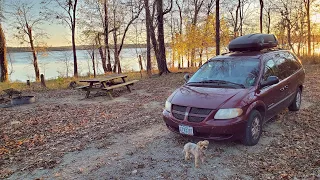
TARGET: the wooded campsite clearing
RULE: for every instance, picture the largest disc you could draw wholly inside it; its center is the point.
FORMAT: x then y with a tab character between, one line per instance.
66	136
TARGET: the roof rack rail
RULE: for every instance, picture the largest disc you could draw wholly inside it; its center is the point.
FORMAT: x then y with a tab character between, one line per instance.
271	49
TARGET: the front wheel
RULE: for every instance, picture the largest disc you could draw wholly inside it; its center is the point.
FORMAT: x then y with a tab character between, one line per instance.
295	105
253	129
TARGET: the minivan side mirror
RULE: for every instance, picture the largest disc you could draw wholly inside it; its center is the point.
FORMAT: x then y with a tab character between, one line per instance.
186	77
270	81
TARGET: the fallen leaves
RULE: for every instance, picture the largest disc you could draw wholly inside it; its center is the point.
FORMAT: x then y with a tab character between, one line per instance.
53	127
38	137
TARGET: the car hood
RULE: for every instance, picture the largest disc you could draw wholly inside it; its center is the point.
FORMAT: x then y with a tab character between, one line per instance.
207	97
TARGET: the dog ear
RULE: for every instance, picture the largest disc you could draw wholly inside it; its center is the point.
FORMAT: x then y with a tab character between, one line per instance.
206	142
199	143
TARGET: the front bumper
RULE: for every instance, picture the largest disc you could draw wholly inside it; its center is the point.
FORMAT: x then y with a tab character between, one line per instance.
233	129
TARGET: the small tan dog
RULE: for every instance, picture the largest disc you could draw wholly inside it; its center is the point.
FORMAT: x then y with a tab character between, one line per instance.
197	150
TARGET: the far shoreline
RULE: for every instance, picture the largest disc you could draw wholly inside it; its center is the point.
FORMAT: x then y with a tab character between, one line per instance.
69	48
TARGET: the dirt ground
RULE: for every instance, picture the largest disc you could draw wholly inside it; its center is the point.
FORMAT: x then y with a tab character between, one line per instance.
65	136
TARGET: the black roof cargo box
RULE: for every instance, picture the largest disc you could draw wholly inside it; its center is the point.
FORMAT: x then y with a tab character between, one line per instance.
253	42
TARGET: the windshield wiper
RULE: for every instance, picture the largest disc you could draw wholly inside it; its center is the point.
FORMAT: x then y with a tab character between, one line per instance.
220	82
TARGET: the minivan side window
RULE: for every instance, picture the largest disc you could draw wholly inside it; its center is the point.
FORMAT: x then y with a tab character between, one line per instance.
282	63
293	63
270	69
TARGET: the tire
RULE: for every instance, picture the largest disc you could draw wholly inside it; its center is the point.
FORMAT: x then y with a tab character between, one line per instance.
253	129
296	103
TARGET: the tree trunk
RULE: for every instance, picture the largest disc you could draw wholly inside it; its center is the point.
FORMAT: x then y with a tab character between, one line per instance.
200	56
102	54
34	54
153	36
180	16
182	64
289	35
241	18
162	48
75	65
43	82
93	62
73	34
269	20
235	28
3	57
217	28
115	51
106	36
148	41
309	28
261	14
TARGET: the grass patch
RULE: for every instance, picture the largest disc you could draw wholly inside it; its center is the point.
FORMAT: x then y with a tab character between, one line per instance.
63	82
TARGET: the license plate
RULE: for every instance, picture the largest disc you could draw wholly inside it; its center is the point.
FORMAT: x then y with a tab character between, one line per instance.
186	130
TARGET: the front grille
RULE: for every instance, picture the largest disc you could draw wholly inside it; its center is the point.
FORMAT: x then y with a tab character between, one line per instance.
200	111
178	116
195	114
179	108
195	119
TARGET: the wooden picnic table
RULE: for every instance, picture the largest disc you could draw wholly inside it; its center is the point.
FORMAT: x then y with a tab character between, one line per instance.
106	84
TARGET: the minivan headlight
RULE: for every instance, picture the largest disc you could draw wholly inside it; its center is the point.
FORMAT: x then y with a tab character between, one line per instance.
228	113
167	106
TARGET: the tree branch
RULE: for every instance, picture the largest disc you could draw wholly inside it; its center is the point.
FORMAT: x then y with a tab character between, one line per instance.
169	9
126	29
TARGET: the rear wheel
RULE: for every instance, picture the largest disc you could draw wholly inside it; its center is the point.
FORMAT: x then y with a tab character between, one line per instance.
253	129
295	105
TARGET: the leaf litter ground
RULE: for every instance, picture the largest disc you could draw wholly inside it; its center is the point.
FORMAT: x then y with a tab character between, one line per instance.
65	136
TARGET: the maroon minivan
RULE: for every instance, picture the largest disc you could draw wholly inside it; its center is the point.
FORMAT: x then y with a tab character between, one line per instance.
232	95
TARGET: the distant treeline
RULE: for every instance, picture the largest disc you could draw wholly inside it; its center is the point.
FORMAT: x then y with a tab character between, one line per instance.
67	48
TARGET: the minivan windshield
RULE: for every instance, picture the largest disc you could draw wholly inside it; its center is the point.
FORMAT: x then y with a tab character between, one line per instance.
234	73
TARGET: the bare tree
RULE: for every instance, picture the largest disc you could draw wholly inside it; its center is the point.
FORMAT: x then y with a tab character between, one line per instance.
67	15
307	6
66	61
162	48
146	4
235	17
3	58
27	25
217	27
261	14
106	35
91	53
290	13
180	8
120	24
197	7
158	45
268	14
4	77
209	6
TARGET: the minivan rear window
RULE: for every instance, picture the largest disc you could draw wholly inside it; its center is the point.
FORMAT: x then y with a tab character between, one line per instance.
242	72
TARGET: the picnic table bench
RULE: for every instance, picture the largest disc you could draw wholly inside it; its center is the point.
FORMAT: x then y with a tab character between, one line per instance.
12	92
106	84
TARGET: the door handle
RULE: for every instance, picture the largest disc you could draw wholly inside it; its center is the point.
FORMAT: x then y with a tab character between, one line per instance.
282	89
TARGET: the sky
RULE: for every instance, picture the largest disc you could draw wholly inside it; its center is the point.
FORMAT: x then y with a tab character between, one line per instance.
58	35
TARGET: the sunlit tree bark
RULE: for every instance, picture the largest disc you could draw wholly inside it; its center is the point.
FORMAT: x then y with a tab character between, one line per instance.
4	77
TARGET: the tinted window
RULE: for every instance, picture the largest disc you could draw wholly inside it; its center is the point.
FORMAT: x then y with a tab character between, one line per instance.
293	63
282	63
270	69
242	71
